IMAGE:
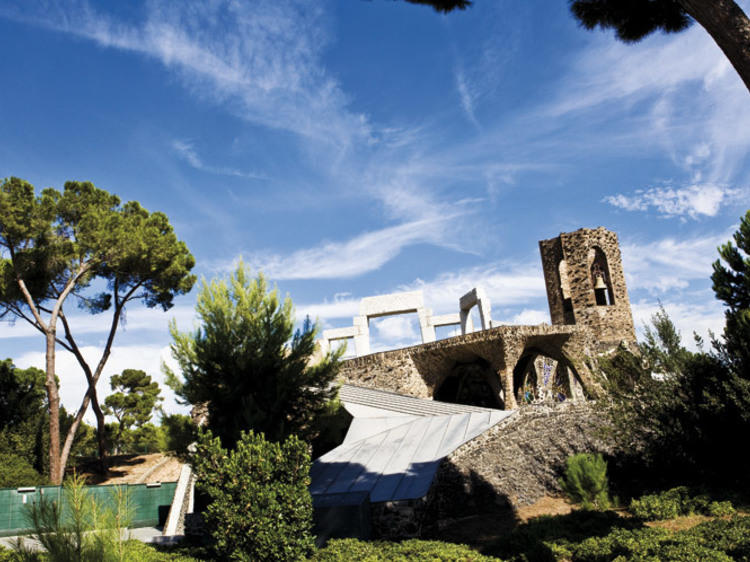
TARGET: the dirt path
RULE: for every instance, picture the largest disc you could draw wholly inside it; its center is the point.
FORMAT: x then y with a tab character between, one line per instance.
137	469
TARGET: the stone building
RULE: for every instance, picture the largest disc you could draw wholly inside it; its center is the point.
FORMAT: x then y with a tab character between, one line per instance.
586	284
420	411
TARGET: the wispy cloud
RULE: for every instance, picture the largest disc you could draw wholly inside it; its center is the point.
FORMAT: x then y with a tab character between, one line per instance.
186	151
361	254
692	201
701	316
466	95
262	59
692	104
670	263
506	285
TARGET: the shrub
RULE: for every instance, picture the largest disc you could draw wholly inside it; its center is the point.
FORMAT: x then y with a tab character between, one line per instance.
676	502
585	480
77	529
665	505
259	505
346	550
15	471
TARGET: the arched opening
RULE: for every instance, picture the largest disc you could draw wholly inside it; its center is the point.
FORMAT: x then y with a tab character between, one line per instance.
601	280
538	377
472	384
562	271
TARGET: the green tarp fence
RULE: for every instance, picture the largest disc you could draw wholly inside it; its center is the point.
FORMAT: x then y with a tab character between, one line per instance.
149	503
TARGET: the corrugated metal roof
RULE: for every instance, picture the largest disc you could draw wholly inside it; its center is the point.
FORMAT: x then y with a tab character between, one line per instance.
393	451
384	400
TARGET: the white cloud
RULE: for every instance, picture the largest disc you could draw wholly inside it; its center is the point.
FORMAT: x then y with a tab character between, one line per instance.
361	254
691	102
504	284
73	382
529	316
702	314
466	96
670	263
136	318
187	152
402	329
326	310
692	201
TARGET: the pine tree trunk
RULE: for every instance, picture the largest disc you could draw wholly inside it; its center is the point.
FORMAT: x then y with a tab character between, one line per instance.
100	432
729	27
53	397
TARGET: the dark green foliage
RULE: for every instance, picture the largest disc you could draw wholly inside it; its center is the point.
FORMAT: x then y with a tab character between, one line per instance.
179	432
132	404
540	537
585	480
347	550
259	505
149	438
662	351
632	20
16	471
682	427
247	363
22	394
731	283
584	536
676	502
330	428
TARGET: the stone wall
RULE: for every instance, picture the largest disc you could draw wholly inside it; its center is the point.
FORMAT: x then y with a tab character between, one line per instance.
521	458
514	464
610	323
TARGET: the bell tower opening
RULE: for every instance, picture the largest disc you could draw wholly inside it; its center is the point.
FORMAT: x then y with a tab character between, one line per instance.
600	278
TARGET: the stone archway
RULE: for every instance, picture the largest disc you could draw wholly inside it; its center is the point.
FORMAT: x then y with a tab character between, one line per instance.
471	383
540	377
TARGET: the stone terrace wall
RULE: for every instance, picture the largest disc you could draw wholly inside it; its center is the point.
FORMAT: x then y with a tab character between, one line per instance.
518	461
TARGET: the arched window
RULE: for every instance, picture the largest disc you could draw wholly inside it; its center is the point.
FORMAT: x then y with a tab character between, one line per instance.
562	270
601	280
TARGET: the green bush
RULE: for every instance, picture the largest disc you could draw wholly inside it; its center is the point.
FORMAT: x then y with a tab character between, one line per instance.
346	550
721	509
585	480
676	502
16	471
259	505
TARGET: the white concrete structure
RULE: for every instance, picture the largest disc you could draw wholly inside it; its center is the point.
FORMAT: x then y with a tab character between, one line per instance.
475	297
395	444
408	303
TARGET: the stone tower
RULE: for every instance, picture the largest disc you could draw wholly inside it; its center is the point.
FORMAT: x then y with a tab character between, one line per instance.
586	284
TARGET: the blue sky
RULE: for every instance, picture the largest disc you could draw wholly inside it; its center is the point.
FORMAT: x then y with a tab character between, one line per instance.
350	148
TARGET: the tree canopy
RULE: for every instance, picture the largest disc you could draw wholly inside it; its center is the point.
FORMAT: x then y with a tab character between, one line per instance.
248	365
55	245
132	402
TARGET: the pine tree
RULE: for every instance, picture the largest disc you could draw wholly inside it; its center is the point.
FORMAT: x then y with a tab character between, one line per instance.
248	365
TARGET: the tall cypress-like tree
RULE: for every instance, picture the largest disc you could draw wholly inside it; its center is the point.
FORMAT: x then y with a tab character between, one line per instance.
731	283
54	246
248	365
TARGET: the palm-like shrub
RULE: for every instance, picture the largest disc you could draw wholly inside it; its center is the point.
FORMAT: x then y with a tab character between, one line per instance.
585	480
